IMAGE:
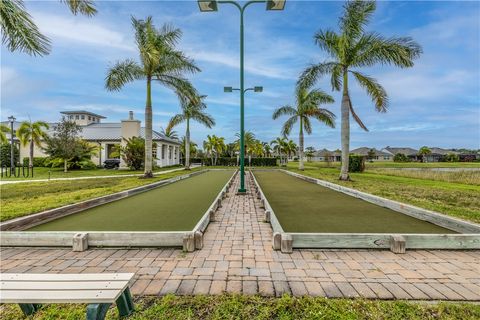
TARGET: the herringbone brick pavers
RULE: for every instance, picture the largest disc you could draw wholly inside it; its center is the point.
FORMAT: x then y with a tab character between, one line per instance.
238	258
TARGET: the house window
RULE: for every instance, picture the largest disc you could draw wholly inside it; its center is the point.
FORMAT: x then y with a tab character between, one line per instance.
83	117
163	152
89	118
112	151
169	152
71	117
154	152
77	117
175	153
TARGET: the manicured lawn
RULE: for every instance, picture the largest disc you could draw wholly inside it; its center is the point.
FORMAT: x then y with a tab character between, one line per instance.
301	206
258	308
452	198
26	198
391	164
174	207
43	173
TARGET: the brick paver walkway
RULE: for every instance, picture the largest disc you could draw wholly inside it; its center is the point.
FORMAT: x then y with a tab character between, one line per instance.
237	257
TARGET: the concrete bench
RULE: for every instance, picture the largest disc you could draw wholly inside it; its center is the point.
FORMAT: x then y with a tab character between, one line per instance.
98	290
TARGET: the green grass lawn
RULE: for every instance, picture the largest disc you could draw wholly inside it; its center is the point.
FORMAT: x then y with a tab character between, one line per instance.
391	164
43	173
174	207
302	206
259	308
452	198
26	198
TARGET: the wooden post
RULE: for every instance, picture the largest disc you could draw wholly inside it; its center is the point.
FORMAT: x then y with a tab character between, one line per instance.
397	243
198	240
80	242
189	242
212	215
286	244
277	241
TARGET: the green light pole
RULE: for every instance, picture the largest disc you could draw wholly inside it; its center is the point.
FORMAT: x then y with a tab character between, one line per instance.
211	6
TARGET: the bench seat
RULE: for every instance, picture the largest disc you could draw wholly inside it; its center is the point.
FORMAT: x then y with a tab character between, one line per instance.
99	291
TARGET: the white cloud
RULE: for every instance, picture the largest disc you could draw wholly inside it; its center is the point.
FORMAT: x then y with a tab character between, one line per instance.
81	30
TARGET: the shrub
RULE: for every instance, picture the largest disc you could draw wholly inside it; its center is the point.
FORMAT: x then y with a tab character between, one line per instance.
400	157
37	161
264	162
451	157
356	163
134	153
232	162
5	154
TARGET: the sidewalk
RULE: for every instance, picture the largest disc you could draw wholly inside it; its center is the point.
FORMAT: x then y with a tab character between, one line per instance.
89	177
238	258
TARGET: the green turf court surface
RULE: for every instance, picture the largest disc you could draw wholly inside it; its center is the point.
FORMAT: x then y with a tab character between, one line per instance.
302	206
174	207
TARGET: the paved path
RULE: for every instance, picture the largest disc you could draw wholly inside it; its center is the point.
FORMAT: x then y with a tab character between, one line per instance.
6	181
238	257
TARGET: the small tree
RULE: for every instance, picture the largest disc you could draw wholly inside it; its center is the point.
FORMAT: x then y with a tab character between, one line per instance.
400	157
309	153
133	153
5	154
423	152
328	158
451	157
32	133
62	142
371	155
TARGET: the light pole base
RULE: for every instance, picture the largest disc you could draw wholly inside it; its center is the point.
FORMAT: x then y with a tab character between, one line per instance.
241	191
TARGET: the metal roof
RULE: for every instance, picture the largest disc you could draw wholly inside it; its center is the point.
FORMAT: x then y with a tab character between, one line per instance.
83	112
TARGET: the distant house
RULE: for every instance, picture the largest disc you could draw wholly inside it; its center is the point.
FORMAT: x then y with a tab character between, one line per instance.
109	135
326	155
412	154
377	154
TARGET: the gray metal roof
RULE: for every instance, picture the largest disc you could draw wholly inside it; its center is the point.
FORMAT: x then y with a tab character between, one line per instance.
364	151
101	132
83	112
404	150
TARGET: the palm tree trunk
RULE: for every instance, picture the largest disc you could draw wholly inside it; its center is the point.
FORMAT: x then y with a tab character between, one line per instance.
30	160
148	130
300	144
65	167
187	146
345	131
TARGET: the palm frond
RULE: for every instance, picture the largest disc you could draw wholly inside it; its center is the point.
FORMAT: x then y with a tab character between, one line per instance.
19	32
85	7
329	41
203	118
317	97
284	110
307	125
356	16
287	126
372	48
355	116
175	121
374	90
313	72
325	116
179	84
122	73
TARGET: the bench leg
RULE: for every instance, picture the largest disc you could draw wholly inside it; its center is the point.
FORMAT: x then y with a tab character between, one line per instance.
125	303
29	308
97	311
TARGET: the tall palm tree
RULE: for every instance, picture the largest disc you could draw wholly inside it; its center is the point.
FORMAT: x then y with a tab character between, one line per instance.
20	33
169	133
214	146
424	152
3	130
193	147
193	108
209	146
33	133
267	149
290	147
355	48
161	62
307	106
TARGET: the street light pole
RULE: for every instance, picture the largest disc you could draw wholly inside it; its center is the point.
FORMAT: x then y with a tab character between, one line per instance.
211	5
12	156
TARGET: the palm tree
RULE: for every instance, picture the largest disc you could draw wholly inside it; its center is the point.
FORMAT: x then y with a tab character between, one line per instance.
193	147
424	152
290	147
161	62
20	33
307	106
352	48
33	133
214	146
169	133
279	145
309	153
267	149
3	130
192	109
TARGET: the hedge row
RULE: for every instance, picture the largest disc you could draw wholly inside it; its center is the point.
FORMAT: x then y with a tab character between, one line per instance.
232	162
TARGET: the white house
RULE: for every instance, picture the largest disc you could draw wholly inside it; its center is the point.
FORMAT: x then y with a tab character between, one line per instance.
109	134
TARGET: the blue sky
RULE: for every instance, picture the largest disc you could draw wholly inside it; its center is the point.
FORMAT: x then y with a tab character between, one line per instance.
435	103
